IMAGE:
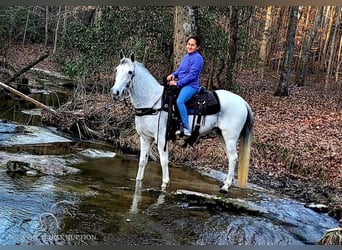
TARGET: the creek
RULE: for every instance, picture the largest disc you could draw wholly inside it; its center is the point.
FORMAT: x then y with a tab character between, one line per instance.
102	204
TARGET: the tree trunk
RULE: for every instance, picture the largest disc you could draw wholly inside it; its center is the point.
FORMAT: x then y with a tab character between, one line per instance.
306	12
283	89
300	79
232	47
338	60
265	35
26	25
57	29
332	46
46	25
65	19
185	25
324	56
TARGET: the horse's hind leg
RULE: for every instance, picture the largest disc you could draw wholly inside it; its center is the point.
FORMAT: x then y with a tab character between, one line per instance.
230	148
145	146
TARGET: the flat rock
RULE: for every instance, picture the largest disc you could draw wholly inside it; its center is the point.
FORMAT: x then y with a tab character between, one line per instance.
12	134
219	203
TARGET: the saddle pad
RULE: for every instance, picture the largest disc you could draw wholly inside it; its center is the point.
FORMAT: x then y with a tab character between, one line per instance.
204	99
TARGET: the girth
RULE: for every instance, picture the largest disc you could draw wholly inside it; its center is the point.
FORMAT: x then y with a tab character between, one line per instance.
146	111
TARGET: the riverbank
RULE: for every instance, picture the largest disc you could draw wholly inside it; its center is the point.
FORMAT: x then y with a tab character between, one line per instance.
296	144
295	149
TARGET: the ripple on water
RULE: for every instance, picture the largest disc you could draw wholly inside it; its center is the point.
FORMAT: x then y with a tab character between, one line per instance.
26	205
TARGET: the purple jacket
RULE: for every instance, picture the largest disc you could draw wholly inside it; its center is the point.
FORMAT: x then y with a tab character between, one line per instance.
189	70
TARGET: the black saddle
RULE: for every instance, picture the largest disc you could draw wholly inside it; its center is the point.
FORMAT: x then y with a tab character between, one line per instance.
203	103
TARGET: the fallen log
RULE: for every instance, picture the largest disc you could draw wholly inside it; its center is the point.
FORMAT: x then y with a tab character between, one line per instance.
27	98
332	237
23	70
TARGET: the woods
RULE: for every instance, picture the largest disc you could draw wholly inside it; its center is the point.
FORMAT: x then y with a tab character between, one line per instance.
286	60
85	40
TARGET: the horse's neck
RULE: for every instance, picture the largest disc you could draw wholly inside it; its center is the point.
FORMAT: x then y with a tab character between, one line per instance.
146	92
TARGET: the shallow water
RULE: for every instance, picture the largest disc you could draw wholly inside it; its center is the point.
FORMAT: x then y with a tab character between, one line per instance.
104	205
13	108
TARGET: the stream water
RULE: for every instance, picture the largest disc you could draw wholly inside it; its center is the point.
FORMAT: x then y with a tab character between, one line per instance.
104	205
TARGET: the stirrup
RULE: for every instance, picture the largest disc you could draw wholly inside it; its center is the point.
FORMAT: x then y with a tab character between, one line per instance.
183	132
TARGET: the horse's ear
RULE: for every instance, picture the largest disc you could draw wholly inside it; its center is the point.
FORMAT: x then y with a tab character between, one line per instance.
122	55
132	57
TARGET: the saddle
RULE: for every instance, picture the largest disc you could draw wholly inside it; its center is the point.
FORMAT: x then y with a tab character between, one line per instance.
203	103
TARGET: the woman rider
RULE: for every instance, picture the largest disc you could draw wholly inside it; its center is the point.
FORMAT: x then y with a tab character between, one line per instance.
187	77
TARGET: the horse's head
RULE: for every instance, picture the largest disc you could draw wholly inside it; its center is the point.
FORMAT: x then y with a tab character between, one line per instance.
124	74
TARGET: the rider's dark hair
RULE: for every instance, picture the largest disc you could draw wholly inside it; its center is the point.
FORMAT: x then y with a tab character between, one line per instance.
196	38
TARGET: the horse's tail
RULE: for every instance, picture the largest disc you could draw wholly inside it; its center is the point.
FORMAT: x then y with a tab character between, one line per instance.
245	149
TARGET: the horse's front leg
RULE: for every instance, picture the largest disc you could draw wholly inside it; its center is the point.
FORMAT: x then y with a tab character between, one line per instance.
145	146
164	162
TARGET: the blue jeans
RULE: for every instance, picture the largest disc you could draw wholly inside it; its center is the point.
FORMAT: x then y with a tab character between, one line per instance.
185	94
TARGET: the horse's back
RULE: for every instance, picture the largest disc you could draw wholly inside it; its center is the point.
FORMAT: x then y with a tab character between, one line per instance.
234	109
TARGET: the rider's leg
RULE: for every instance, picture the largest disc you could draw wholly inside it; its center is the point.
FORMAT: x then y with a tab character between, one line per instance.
185	94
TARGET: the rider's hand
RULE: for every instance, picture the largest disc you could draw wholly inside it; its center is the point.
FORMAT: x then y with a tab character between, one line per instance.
170	77
173	83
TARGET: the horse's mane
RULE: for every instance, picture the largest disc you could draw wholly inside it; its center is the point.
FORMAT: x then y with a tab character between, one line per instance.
144	70
139	64
142	66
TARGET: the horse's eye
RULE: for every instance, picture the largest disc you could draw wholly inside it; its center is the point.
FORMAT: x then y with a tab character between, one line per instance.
130	72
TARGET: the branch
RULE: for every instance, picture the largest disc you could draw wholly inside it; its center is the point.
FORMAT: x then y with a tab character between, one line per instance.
27	98
23	70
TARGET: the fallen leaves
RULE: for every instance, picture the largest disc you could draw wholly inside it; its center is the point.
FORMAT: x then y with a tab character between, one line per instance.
299	135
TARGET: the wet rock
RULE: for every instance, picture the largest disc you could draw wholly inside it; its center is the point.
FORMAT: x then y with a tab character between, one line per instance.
34	168
7	127
22	168
219	203
37	165
95	153
14	134
320	208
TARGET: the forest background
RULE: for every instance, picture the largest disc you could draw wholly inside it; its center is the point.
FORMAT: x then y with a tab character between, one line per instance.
284	60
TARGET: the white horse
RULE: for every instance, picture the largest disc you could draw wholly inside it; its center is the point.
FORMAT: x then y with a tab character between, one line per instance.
234	120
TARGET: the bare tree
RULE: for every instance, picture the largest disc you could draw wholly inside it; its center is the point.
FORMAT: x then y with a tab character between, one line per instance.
232	47
46	25
339	61
333	45
185	25
265	35
283	84
300	78
26	25
57	29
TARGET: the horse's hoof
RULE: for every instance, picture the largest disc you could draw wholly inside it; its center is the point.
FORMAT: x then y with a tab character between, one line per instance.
223	191
163	187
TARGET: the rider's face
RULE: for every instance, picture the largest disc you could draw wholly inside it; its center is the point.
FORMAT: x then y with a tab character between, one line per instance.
191	46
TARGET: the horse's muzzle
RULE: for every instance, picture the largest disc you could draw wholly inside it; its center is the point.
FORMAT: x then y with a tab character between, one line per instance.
115	92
